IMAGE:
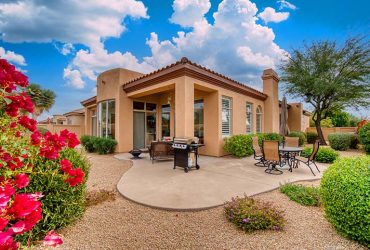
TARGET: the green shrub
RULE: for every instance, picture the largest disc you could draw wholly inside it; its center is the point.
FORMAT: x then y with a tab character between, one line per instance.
87	142
364	134
239	145
307	196
354	141
345	195
61	204
42	130
269	136
300	135
339	141
311	137
104	145
326	123
324	155
340	119
250	215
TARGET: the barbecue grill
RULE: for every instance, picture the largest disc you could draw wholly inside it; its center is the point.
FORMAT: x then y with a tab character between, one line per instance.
186	152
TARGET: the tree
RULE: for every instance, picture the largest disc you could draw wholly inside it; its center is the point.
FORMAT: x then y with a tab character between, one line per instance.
329	77
340	119
43	99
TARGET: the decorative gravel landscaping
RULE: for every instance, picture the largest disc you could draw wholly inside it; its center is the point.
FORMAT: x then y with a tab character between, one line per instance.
121	224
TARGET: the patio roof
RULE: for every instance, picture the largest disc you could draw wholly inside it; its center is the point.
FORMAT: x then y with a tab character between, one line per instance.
185	67
80	111
88	102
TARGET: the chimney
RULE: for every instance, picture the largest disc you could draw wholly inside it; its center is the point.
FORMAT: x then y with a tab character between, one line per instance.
271	111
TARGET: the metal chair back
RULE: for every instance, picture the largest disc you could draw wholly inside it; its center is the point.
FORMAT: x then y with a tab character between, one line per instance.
315	149
291	142
271	150
256	146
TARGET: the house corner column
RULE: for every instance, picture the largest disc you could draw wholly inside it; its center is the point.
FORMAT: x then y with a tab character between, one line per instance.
184	108
271	106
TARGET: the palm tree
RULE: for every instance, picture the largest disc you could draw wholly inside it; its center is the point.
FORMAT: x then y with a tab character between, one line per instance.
43	99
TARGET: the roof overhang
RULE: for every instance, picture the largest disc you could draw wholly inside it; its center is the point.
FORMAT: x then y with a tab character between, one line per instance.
89	102
187	68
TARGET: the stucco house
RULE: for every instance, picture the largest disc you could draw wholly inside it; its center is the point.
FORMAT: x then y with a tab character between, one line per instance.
183	99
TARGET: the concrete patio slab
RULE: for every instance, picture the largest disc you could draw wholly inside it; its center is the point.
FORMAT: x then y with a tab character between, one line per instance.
218	180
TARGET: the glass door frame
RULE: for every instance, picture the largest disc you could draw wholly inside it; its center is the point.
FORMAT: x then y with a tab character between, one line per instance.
146	112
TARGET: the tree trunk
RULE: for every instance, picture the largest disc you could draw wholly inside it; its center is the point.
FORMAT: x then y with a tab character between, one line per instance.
319	132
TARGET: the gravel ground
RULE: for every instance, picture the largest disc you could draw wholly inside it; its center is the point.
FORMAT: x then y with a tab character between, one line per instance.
121	224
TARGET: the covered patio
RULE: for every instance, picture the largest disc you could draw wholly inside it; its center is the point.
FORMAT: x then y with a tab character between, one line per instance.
218	180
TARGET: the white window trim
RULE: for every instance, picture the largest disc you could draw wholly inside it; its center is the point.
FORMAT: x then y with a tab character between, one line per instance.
251	116
261	120
231	116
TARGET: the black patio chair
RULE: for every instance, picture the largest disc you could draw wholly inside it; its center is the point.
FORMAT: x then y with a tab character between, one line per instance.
257	152
310	160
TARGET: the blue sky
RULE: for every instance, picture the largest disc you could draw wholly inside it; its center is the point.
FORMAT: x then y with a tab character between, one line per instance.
63	45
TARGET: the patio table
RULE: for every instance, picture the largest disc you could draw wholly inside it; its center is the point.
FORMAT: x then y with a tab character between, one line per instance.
289	154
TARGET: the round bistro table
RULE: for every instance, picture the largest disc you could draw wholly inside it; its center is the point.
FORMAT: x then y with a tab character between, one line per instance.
289	154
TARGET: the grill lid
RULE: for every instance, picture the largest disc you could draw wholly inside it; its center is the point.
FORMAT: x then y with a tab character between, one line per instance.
186	140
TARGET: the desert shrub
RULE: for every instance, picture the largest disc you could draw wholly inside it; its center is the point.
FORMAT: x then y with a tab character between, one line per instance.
324	155
104	145
42	130
269	136
250	215
62	204
355	140
345	195
87	142
326	123
307	196
340	119
311	137
239	145
300	135
339	141
364	134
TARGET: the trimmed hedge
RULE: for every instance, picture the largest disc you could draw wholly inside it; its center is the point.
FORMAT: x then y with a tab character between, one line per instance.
61	204
300	135
269	136
100	145
312	137
239	145
339	141
345	195
324	155
250	215
364	134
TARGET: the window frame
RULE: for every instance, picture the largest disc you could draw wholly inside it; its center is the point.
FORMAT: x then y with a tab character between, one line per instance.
251	123
259	119
230	113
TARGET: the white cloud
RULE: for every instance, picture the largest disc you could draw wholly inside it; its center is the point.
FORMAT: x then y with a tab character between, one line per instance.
67	48
67	21
285	4
12	57
89	63
234	45
270	15
188	12
73	78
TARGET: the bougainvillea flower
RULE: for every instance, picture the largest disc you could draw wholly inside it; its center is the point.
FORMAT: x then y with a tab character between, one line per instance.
7	242
23	205
17	228
3	223
65	165
21	180
36	137
53	239
28	123
75	177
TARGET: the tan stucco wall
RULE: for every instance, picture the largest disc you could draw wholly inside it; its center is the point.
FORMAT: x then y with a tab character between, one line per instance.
271	110
75	119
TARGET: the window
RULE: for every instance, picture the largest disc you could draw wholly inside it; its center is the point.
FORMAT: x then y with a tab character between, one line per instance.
199	120
93	123
226	115
106	119
166	114
259	119
249	120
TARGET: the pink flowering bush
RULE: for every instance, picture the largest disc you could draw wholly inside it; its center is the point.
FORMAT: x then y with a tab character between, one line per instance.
42	178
